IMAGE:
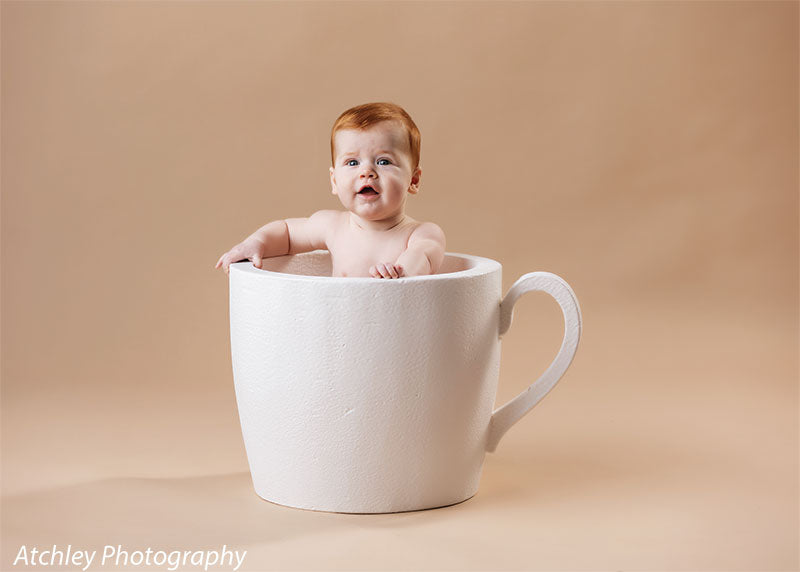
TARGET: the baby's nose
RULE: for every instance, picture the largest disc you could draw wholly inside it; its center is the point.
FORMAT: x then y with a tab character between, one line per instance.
368	171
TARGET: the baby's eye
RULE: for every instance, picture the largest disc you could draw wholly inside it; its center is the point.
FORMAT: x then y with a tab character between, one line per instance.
351	163
384	162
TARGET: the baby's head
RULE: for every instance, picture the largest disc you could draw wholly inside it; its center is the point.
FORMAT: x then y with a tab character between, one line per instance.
362	117
375	151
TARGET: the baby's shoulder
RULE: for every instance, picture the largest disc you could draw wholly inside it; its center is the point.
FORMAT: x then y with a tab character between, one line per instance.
427	230
328	216
328	219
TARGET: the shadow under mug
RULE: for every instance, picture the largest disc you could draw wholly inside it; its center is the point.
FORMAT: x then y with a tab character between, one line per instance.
363	395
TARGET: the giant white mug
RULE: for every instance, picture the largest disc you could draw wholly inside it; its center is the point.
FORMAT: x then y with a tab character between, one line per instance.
365	395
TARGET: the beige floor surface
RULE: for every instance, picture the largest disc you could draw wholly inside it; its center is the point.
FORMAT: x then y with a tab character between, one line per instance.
670	448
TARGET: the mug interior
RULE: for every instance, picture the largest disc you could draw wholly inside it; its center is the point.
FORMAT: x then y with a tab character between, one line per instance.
318	264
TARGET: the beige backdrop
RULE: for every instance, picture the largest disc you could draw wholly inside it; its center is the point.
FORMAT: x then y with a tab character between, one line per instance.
645	151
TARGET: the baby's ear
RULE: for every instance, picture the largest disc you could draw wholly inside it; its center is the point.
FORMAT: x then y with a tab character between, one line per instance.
413	188
333	182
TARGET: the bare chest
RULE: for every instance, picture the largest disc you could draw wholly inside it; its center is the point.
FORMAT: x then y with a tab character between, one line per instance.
354	251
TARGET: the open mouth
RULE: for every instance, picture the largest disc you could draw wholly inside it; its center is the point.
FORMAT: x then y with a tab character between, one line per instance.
367	191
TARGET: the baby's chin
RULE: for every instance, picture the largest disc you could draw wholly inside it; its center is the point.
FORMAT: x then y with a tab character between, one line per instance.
375	211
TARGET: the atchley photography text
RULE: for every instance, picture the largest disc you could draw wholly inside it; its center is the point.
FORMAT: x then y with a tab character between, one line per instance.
117	555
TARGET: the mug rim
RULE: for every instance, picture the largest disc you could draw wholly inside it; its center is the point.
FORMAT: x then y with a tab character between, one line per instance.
482	266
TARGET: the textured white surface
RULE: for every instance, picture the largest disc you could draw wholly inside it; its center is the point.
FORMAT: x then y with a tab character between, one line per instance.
365	395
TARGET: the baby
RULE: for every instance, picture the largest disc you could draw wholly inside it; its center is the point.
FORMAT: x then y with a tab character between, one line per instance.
375	157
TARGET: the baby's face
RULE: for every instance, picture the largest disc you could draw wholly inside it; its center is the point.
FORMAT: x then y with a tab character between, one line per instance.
372	172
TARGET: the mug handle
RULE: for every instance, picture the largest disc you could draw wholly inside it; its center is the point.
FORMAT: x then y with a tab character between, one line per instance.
504	417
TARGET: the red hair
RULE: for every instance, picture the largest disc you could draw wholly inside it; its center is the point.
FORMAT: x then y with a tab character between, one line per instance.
366	115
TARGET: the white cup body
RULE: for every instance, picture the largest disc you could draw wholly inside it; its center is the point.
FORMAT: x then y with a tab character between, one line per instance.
364	395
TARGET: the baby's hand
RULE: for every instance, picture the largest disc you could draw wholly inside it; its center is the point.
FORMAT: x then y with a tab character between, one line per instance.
386	270
249	249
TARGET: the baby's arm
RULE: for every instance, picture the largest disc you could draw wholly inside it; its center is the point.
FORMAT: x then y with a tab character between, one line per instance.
423	255
280	237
